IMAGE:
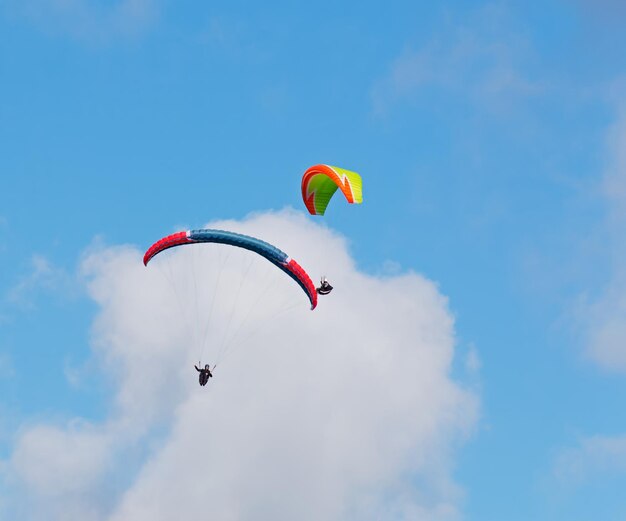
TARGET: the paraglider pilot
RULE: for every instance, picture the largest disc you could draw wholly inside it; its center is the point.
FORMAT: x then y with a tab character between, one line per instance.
325	288
204	375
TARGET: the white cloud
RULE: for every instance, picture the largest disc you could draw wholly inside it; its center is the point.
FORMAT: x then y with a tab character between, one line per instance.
615	177
604	316
606	341
347	412
43	276
594	456
472	360
480	58
76	453
88	20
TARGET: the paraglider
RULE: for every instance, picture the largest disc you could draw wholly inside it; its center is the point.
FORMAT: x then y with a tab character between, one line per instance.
320	182
204	375
263	249
325	287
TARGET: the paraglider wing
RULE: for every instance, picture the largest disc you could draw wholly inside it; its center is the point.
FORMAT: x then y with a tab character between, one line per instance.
320	182
271	253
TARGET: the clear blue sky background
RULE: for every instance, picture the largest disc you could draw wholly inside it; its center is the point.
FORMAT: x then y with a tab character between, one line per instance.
480	129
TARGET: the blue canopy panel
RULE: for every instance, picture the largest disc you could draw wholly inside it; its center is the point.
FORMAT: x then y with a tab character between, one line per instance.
271	253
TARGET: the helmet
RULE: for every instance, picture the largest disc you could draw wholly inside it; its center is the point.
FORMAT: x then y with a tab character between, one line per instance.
207	367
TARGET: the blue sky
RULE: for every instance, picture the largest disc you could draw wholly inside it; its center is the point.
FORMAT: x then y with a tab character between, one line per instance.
489	136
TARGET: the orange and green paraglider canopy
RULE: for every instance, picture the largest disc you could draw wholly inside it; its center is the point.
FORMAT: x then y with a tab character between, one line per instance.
320	182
